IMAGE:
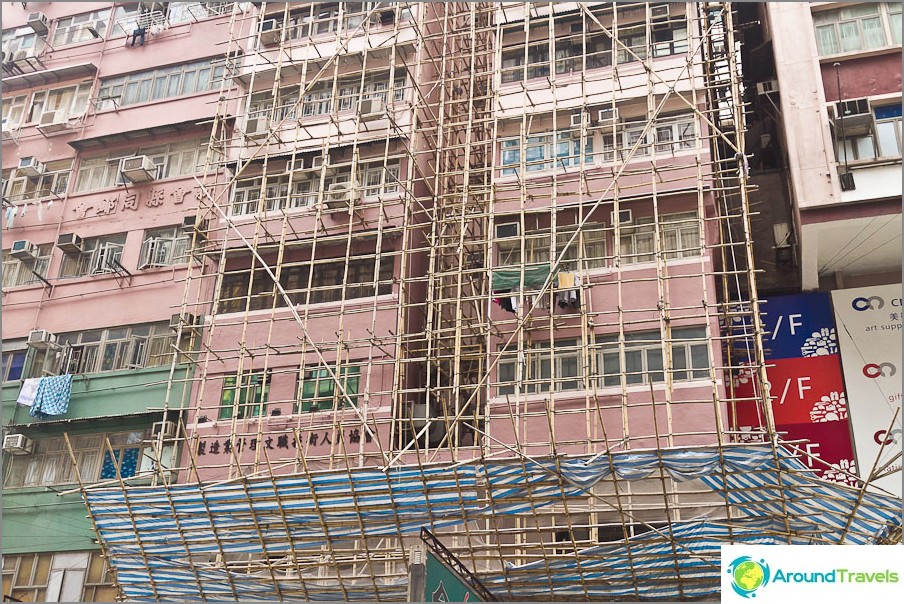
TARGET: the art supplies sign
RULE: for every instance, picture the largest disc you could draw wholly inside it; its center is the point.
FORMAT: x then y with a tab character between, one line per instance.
803	573
869	336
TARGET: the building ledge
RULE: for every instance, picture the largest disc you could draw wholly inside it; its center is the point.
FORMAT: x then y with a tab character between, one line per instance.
119	137
49	76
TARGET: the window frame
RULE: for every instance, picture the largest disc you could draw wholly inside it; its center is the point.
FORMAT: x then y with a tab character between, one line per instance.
645	363
320	382
254	385
88	262
832	21
76	26
165	82
17	273
682	224
175	242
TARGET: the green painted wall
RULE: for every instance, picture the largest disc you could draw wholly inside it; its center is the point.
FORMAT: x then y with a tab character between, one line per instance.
104	394
37	519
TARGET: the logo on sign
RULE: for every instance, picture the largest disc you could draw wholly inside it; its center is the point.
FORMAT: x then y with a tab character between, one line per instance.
862	304
884	437
873	370
748	575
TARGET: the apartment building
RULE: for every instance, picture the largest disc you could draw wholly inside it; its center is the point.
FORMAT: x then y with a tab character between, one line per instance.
106	121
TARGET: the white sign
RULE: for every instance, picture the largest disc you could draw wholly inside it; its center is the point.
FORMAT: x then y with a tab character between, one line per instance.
868	323
812	573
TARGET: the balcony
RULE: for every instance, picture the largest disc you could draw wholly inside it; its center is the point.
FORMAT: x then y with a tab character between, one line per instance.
101	395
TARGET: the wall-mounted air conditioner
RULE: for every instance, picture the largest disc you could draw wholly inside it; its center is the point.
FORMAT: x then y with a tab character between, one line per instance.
508	230
188	321
23	250
257	127
855	116
54	121
580	119
270	32
166	429
139	168
605	117
6	126
30	166
371	109
193	223
340	196
624	218
18	444
70	243
39	23
40	339
766	87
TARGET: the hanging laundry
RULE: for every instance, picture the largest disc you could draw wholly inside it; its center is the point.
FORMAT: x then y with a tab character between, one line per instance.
568	295
40	211
28	391
52	396
10	216
24	210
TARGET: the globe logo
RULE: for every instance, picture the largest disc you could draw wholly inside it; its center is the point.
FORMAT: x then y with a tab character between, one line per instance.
748	575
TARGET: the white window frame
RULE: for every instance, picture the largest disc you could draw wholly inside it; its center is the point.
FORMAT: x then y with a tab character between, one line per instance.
531	371
588	251
638	243
19	272
830	25
643	354
164	247
73	29
76	107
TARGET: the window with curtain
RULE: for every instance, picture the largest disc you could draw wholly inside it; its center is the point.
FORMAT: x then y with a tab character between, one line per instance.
643	357
163	82
679	237
173	160
587	251
857	27
547	151
98	256
71	30
64	103
51	183
22	272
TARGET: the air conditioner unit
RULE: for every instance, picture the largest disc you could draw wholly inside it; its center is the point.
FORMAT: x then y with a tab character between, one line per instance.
23	250
177	320
41	339
371	109
53	121
625	217
70	243
270	32
104	258
18	444
22	54
38	22
322	161
508	230
659	11
606	116
166	429
766	87
30	166
6	126
855	115
580	119
340	196
139	168
258	127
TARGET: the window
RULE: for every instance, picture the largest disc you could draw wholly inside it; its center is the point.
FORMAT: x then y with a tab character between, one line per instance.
542	152
14	111
13	365
173	160
163	82
99	255
52	183
25	577
333	280
74	29
22	272
858	27
317	391
20	39
126	18
589	247
643	357
675	134
323	18
50	464
679	237
164	247
99	581
111	349
319	100
532	371
53	106
301	189
888	129
245	398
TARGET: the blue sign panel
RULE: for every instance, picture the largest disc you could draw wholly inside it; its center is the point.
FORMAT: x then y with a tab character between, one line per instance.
798	326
